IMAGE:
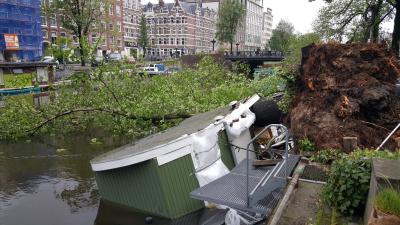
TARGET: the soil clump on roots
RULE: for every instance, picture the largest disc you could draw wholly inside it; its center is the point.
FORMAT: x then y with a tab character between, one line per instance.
346	90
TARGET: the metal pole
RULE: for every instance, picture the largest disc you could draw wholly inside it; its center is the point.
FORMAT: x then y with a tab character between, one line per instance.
387	138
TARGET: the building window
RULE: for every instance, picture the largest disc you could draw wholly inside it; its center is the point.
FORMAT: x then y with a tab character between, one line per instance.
111	26
118	10
53	37
183	41
53	21
44	34
159	41
111	10
160	31
44	21
153	42
165	41
172	41
119	26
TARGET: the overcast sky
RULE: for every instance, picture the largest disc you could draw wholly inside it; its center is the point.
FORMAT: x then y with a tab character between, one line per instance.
299	12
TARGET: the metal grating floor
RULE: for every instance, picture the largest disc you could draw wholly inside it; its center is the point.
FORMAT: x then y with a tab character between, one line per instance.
230	190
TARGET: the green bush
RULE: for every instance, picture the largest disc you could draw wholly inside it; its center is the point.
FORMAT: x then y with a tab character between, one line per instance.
327	156
388	201
349	178
18	80
306	145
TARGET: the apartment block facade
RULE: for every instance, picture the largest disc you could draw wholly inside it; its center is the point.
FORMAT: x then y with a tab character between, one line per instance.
179	28
253	25
132	12
267	27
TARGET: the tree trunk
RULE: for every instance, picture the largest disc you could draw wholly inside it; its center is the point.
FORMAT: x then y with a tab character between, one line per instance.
144	52
231	48
81	51
375	21
396	29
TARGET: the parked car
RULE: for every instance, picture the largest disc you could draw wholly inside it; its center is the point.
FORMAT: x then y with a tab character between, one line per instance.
172	70
153	69
115	57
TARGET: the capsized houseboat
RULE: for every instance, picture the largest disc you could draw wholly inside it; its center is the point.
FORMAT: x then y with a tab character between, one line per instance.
158	173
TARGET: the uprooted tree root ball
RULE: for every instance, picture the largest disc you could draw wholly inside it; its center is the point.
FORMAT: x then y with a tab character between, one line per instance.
346	90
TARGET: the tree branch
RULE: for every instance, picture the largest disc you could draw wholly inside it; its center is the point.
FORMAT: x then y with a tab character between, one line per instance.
154	119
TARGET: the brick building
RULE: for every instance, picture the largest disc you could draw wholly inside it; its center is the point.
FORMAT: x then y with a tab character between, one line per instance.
109	27
179	28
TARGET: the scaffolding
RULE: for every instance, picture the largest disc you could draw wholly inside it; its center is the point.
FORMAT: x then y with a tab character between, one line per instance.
21	18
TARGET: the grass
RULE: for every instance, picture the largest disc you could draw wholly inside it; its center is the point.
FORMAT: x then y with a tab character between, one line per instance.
17	80
388	201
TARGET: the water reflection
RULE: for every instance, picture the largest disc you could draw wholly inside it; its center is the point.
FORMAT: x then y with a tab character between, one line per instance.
113	214
37	99
49	181
39	184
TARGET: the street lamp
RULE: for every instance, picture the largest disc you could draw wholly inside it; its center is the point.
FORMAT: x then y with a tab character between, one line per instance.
237	48
213	42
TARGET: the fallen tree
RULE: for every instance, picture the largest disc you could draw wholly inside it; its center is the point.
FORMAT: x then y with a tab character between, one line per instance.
346	90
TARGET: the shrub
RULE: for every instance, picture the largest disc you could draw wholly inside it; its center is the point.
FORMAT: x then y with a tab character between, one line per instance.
327	156
306	145
388	201
348	182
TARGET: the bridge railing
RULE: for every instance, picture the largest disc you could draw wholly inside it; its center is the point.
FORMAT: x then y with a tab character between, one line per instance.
249	54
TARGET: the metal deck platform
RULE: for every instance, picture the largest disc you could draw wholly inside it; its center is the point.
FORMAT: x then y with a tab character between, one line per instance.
265	183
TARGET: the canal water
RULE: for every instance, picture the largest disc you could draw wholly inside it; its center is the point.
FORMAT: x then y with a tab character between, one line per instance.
48	181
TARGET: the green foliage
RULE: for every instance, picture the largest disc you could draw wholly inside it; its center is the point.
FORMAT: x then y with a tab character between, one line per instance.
353	20
281	36
388	201
17	80
327	156
62	50
295	44
230	16
119	102
143	37
306	145
334	217
349	178
81	17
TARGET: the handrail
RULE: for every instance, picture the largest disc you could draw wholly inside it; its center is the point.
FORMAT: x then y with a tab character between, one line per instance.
247	155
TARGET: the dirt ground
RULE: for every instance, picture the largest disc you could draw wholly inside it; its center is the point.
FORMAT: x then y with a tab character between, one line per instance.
303	205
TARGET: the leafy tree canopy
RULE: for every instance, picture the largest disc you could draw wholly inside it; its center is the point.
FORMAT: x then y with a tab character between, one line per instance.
81	17
143	37
281	36
230	17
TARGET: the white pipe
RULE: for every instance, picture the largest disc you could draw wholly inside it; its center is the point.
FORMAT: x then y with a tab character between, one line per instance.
282	205
387	138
